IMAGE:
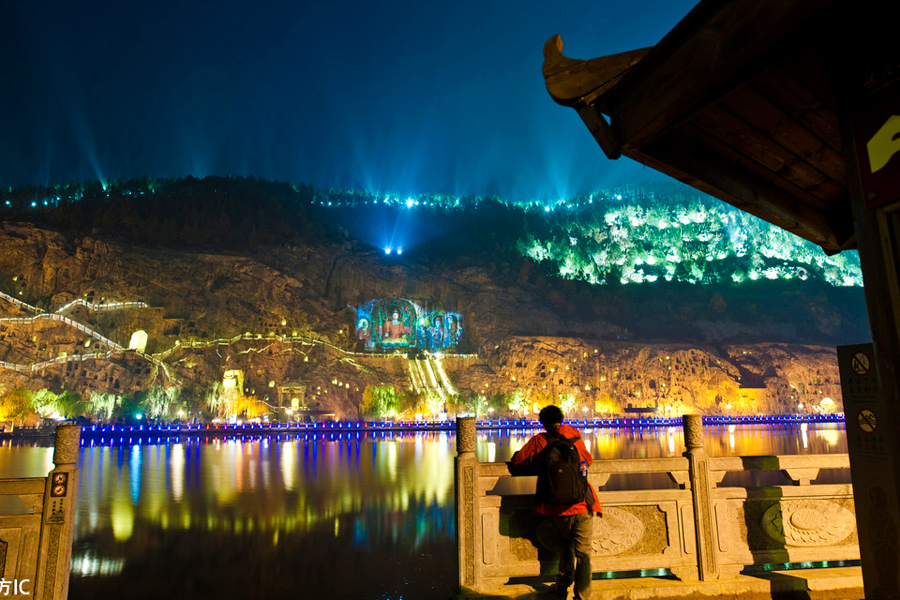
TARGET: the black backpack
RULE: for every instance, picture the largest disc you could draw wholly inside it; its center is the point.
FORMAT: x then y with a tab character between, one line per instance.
560	481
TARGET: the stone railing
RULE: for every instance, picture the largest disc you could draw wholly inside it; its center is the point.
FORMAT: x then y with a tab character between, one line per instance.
701	518
36	537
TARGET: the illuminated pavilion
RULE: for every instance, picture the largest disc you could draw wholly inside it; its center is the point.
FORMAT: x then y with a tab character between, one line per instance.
789	110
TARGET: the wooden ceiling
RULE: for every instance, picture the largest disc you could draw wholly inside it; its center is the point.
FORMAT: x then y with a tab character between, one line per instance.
736	101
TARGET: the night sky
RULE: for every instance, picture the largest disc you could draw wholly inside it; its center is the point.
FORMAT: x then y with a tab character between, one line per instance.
397	96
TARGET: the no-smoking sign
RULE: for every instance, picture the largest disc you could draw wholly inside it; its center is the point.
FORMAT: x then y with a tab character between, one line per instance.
867	421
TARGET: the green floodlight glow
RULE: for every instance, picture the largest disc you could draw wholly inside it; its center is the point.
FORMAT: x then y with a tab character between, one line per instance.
631	234
694	241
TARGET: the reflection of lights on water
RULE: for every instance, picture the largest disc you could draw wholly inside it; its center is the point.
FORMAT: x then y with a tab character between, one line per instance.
87	565
264	463
804	435
516	442
122	519
420	448
390	454
830	434
176	463
134	470
731	430
237	451
491	451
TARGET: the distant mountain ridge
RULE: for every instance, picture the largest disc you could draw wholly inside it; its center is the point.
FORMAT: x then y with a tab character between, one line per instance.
629	234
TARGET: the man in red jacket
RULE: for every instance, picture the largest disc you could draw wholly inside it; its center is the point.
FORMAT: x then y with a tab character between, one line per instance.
566	529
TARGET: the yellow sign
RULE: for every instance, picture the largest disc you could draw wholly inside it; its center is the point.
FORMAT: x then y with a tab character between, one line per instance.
867	421
860	363
884	144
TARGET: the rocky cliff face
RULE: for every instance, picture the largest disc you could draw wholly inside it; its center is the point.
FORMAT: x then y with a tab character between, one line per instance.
283	317
613	377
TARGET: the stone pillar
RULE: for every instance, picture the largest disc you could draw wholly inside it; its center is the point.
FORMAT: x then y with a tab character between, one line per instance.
58	518
701	492
466	503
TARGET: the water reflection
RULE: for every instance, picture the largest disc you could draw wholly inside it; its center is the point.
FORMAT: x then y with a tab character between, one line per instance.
268	484
385	501
660	442
339	516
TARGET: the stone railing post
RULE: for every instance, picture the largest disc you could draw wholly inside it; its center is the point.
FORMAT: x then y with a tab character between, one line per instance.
701	492
466	502
58	519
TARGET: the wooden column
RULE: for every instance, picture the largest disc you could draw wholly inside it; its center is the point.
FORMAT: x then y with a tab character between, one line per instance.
467	524
867	86
701	492
58	519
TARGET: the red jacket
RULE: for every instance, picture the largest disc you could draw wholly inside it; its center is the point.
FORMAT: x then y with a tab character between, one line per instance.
534	446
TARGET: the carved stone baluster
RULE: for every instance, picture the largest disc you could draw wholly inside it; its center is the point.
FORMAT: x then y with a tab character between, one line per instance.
701	491
58	518
467	522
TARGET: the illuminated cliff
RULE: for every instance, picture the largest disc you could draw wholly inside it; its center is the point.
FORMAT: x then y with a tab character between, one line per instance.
274	297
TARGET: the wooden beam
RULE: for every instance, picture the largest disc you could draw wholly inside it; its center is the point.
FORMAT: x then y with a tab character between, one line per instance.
691	66
728	135
790	87
840	218
600	129
684	159
786	132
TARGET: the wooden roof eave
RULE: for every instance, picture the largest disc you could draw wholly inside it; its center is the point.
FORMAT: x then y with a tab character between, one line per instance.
578	83
646	91
696	61
585	84
633	103
571	82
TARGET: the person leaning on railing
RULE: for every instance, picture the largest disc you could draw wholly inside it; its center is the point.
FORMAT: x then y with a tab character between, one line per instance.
565	499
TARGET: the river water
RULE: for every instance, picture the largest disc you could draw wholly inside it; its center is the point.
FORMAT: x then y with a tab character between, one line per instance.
344	516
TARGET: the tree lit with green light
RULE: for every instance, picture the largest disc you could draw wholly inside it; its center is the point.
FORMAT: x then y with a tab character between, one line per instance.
630	234
692	239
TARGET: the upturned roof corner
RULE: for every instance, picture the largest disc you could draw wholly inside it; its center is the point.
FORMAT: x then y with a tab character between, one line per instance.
573	82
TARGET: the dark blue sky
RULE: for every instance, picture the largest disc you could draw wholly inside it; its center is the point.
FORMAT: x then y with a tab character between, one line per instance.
401	96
